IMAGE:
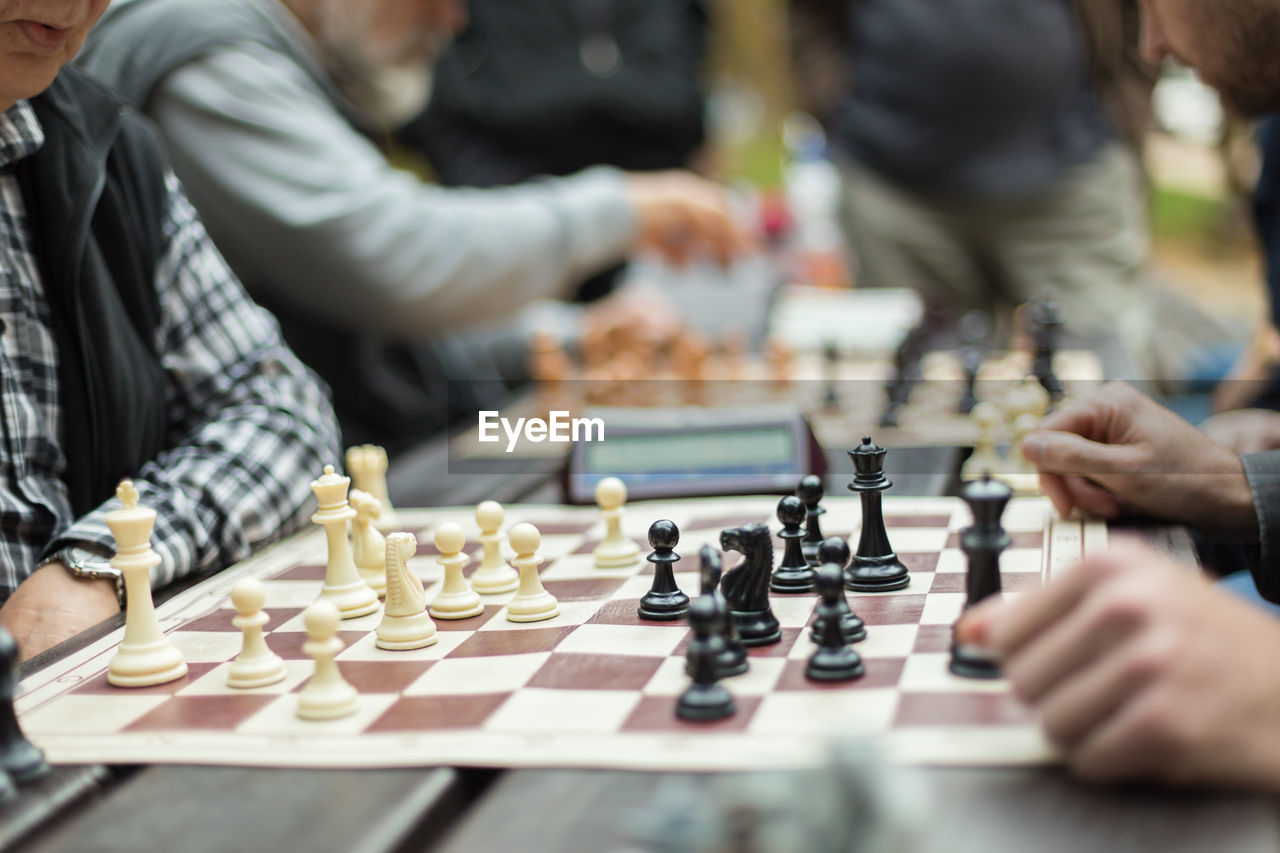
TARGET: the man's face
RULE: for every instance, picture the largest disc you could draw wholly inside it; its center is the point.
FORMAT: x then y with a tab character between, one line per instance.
38	37
382	33
1234	45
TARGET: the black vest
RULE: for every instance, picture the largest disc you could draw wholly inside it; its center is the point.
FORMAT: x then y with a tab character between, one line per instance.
95	201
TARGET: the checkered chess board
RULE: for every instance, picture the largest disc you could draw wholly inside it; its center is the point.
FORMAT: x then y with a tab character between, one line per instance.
594	687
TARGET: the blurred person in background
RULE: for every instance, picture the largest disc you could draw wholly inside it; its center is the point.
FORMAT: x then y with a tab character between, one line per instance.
276	112
555	86
989	150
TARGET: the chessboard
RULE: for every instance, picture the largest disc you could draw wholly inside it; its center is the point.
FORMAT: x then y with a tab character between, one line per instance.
594	686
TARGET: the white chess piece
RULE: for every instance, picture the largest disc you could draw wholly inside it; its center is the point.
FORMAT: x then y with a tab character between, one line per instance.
1023	478
532	603
405	623
367	465
493	575
368	547
456	600
615	550
256	665
327	695
343	584
1035	400
985	458
145	656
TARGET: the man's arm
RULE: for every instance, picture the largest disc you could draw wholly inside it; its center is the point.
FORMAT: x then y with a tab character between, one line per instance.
250	426
292	192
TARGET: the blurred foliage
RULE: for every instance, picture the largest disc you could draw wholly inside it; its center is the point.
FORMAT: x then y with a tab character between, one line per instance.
1212	225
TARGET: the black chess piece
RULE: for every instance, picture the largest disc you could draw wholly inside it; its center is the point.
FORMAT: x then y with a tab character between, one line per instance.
1046	324
706	698
664	602
876	568
733	660
834	659
810	491
906	372
975	328
19	758
746	587
836	550
982	545
831	366
794	574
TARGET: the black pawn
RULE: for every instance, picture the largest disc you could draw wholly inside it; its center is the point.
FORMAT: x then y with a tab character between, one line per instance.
1046	323
664	602
982	545
975	329
794	574
706	698
19	759
810	491
733	659
876	568
831	363
834	659
836	551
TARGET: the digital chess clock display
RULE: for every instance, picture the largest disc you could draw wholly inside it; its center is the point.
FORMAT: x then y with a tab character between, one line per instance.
702	455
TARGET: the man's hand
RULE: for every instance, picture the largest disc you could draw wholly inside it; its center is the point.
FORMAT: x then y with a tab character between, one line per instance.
1139	669
1245	430
53	605
679	214
1121	452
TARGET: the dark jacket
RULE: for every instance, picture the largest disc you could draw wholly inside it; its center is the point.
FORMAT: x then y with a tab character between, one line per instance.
95	199
1112	73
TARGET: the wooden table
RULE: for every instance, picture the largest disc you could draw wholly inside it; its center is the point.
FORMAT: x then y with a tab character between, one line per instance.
468	811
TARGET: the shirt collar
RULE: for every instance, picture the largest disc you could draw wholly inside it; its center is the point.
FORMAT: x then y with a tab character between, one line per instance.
20	133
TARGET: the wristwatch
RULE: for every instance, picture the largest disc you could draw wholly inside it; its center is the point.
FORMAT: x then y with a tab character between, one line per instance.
89	565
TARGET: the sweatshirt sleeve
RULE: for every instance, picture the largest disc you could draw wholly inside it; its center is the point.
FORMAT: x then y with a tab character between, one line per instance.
310	211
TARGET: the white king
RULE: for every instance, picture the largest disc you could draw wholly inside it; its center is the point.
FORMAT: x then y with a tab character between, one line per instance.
145	656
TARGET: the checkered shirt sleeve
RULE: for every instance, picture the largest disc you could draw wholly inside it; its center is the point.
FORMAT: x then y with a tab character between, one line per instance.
250	426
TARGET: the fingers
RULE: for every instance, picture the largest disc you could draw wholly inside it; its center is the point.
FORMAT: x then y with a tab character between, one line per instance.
1068	453
1091	498
1056	491
1079	705
1022	621
1101	621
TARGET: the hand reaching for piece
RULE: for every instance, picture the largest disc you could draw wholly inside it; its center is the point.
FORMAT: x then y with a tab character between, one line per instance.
1140	669
1119	452
680	214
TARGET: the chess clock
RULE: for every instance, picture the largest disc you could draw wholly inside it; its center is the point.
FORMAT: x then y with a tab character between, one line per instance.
694	452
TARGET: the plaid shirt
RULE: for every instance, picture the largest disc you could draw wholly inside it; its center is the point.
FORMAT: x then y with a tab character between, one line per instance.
254	425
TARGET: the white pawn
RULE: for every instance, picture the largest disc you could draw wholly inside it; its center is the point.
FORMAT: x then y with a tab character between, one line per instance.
493	574
532	603
455	600
368	547
615	550
405	623
146	656
327	695
256	665
984	458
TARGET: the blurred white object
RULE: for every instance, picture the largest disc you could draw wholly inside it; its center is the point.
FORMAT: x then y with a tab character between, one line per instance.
1188	108
812	186
872	321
